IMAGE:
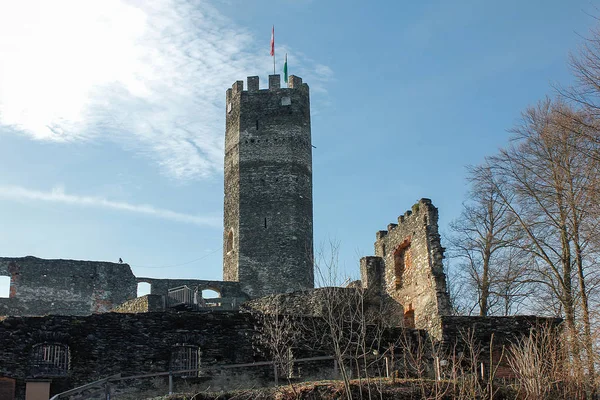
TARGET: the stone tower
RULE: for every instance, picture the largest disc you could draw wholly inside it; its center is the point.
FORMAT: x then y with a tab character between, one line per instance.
268	218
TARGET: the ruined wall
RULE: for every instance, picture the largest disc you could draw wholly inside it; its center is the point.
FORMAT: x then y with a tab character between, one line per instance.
413	273
268	218
353	302
64	287
105	344
147	303
300	303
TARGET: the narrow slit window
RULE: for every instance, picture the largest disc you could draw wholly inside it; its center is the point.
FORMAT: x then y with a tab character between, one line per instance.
230	241
256	124
265	223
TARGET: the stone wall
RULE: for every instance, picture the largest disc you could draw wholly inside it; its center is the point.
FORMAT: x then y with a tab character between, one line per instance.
301	303
147	303
268	215
64	287
505	329
412	271
357	304
101	345
489	339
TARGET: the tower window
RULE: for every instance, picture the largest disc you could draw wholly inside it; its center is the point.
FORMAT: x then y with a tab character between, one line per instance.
256	124
286	101
265	223
229	245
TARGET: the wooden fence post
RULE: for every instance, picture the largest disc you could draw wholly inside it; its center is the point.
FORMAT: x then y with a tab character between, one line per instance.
387	367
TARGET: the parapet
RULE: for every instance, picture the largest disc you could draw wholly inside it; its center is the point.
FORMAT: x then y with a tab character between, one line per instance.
294	82
409	215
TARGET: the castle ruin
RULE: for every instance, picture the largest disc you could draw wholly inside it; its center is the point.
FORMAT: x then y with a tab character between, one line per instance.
70	322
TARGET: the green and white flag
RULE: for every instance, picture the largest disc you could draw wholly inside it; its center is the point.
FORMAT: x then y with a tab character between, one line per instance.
285	77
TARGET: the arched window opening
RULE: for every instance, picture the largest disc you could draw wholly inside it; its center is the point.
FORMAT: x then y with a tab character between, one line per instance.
4	287
210	294
143	288
50	359
229	245
402	262
185	357
210	298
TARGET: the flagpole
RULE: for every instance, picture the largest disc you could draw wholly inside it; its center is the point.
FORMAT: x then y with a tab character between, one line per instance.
273	46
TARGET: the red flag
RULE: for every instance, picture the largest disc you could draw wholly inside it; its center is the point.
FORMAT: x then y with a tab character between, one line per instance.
273	41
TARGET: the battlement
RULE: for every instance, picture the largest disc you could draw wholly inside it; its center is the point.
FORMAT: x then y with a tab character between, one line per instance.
423	206
294	83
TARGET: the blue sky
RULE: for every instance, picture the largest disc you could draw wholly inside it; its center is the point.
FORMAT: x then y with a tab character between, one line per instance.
112	114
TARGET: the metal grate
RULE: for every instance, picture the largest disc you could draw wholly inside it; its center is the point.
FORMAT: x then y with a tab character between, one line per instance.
185	357
50	359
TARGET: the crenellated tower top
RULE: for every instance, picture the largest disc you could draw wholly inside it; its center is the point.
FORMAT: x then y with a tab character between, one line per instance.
294	82
268	223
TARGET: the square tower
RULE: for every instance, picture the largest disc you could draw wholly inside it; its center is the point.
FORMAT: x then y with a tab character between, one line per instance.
268	216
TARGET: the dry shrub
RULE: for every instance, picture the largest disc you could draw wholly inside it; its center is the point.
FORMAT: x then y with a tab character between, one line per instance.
543	368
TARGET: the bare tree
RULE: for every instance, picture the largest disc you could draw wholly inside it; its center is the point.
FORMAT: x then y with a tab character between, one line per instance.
278	334
550	189
482	242
353	327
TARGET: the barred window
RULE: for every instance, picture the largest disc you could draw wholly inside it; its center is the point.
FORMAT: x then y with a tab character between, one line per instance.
50	359
185	357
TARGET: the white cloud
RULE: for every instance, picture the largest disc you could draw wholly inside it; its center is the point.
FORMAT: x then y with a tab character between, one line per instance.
58	195
150	75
